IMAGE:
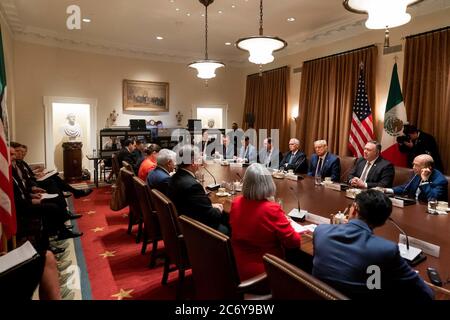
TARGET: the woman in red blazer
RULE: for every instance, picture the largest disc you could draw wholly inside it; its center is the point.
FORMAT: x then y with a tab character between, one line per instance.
259	226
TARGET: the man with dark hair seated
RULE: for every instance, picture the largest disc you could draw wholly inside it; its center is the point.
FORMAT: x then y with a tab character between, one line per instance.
188	194
345	255
372	170
126	154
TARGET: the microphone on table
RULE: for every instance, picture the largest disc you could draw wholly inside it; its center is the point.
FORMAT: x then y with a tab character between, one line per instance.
239	176
212	186
408	184
301	215
412	260
401	231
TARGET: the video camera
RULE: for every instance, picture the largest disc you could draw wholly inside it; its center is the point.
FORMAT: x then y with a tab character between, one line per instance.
403	139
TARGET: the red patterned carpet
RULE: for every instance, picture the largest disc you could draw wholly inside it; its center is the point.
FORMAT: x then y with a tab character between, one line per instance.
115	266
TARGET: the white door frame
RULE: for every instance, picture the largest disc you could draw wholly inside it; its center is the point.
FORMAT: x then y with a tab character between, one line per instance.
222	106
48	106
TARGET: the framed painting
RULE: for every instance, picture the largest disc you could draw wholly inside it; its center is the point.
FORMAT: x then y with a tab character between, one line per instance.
145	96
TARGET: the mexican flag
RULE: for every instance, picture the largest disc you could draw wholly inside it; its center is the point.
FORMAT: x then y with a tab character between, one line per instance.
394	119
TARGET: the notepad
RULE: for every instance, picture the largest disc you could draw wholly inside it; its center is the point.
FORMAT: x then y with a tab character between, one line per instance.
300	229
47	175
17	257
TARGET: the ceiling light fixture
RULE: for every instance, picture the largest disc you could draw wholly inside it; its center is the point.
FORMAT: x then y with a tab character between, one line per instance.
87	20
206	68
261	47
159	38
291	19
383	14
228	43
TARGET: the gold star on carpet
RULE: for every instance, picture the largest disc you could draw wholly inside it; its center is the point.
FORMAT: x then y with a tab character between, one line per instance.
91	212
108	254
123	294
125	216
98	229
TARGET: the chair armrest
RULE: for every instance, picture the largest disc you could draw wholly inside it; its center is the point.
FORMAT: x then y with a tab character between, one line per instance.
256	288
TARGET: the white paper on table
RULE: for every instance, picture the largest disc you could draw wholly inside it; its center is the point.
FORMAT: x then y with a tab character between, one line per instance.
48	195
301	229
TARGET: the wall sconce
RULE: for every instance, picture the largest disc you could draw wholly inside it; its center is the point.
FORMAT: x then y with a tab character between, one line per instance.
294	113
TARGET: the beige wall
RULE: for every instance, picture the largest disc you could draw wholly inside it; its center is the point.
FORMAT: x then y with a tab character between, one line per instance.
46	71
8	52
384	65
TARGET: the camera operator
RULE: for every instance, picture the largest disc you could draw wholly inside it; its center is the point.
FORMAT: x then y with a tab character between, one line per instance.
415	142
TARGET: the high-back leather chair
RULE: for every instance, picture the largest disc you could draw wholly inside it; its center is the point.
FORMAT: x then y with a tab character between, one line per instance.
135	215
288	282
115	164
347	163
174	245
213	265
151	230
448	187
402	175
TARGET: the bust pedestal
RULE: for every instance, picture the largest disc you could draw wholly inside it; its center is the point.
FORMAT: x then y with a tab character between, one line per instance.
72	160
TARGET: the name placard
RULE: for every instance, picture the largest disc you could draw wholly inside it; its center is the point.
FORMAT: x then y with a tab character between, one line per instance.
333	186
398	203
291	176
428	248
314	218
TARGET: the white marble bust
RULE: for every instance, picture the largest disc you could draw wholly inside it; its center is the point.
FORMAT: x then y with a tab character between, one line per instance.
72	130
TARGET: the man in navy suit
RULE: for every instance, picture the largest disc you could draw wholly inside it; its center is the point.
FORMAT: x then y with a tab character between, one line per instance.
294	159
427	182
372	170
323	163
248	151
345	255
269	156
159	177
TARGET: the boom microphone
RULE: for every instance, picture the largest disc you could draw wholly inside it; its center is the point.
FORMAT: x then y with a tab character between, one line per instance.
212	186
300	215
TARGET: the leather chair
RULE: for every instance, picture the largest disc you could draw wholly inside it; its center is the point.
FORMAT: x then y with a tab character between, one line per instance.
115	165
448	187
151	230
135	215
347	163
174	245
127	166
288	282
402	175
213	265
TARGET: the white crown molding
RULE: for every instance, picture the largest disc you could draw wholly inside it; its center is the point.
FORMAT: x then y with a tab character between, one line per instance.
10	15
297	43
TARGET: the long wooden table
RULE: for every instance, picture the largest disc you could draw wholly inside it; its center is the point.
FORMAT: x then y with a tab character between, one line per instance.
413	219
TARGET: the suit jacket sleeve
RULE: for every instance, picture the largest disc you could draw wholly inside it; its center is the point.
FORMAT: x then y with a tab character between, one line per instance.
354	172
312	165
202	208
386	177
435	189
336	170
407	280
283	229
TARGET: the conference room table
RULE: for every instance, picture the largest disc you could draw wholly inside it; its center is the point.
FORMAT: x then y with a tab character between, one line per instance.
322	201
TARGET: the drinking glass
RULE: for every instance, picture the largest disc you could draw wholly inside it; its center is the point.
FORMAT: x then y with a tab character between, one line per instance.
432	205
318	180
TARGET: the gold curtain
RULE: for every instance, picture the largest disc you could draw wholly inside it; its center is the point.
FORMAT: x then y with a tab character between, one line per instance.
426	86
266	98
327	93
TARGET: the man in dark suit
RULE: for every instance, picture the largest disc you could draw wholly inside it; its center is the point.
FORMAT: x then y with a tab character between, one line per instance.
323	163
420	143
427	182
269	156
188	194
372	170
350	258
160	177
294	159
126	153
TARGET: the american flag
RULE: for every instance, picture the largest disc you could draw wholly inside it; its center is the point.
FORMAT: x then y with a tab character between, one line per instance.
361	129
7	211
